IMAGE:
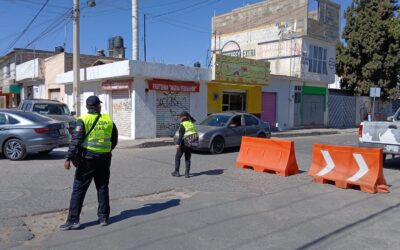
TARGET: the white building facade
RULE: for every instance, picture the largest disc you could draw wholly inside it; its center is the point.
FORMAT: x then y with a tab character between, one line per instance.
144	99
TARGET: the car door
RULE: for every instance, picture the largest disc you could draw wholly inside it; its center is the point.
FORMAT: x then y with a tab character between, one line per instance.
3	127
234	131
251	125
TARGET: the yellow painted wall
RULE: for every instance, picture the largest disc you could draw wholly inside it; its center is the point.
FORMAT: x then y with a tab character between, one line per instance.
253	96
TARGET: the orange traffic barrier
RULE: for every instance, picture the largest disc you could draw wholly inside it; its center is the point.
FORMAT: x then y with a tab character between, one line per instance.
349	166
267	155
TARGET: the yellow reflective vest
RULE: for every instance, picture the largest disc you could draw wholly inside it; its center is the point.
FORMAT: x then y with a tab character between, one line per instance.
99	140
190	128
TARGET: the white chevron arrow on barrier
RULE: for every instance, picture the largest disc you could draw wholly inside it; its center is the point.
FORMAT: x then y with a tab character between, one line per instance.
331	165
363	168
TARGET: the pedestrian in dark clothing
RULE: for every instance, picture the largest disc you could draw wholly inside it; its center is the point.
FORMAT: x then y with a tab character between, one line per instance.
94	138
186	128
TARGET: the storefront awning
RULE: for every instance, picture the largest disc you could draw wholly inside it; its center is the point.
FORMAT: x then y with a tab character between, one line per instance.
11	89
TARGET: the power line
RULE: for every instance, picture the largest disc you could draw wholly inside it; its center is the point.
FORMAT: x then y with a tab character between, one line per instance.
65	18
26	28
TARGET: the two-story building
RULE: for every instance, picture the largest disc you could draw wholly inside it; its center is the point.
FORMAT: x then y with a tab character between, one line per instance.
37	77
10	90
299	40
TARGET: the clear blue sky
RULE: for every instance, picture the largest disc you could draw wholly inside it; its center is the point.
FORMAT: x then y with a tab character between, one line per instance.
178	31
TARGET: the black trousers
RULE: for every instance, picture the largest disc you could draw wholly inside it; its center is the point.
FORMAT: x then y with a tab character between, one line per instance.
188	156
99	170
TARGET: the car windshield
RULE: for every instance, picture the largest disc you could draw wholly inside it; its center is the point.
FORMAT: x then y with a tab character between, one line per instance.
215	120
51	109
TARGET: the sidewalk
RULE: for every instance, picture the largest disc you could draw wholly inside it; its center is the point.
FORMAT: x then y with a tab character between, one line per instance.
167	141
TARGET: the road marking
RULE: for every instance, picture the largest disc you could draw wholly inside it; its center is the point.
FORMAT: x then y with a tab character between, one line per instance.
363	168
329	166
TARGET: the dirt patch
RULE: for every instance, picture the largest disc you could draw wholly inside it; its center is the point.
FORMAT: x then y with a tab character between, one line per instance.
43	225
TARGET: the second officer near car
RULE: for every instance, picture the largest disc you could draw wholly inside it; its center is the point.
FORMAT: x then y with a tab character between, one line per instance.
90	151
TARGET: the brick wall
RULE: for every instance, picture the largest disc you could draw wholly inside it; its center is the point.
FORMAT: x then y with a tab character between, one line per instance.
271	12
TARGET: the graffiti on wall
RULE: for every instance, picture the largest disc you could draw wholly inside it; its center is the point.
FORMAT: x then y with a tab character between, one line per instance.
169	105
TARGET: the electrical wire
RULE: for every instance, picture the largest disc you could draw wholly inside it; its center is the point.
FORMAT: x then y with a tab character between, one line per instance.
65	18
26	28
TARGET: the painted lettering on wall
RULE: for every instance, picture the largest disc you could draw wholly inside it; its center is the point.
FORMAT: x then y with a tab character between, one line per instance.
169	105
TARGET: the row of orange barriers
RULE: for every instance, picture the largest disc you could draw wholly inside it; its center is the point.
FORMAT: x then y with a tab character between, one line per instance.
344	166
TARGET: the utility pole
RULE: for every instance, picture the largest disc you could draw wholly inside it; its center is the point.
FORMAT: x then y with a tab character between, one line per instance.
135	30
144	38
75	59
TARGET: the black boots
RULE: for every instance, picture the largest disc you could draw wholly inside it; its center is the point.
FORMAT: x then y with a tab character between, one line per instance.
175	173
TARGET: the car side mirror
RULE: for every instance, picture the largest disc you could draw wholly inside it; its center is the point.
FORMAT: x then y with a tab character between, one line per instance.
390	118
73	113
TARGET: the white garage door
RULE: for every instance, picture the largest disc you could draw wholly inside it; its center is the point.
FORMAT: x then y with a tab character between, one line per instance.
122	112
169	106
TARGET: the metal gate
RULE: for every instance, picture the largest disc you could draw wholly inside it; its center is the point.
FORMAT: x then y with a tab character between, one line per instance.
122	112
168	107
342	111
268	108
313	110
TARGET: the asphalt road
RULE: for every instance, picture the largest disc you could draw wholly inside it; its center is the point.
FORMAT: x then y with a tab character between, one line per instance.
220	207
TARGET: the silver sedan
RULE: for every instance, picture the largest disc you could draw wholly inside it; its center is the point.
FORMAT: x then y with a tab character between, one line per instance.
22	133
223	130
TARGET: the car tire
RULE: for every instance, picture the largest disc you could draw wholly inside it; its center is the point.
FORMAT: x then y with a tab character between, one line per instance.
262	135
14	149
217	145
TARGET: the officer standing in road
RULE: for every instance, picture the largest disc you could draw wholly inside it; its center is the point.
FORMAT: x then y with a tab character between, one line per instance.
90	151
187	128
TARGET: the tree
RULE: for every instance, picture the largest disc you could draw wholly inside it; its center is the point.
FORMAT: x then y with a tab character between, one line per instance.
370	53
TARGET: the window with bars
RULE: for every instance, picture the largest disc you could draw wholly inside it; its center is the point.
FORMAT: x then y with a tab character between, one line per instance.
317	60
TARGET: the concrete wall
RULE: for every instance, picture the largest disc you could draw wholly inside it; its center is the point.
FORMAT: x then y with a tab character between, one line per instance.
284	87
29	70
330	61
144	115
285	13
327	26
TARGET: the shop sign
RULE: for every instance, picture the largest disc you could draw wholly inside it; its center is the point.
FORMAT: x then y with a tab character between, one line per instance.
11	89
171	86
116	85
231	48
240	70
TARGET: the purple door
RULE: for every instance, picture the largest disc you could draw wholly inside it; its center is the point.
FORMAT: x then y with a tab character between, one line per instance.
268	108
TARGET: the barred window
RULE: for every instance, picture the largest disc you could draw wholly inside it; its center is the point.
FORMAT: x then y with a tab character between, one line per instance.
317	60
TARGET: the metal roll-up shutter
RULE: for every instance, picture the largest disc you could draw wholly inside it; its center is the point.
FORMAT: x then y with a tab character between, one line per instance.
169	106
313	110
122	112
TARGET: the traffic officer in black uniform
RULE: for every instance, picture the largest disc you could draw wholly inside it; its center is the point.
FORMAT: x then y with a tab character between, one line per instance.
187	127
94	138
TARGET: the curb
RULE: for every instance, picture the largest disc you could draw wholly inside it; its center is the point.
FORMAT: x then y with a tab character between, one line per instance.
305	134
154	144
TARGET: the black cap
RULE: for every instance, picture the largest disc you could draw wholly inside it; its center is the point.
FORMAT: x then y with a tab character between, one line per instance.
184	113
93	101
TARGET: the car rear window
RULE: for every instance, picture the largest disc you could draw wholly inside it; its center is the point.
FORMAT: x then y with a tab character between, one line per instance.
50	109
215	120
33	117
